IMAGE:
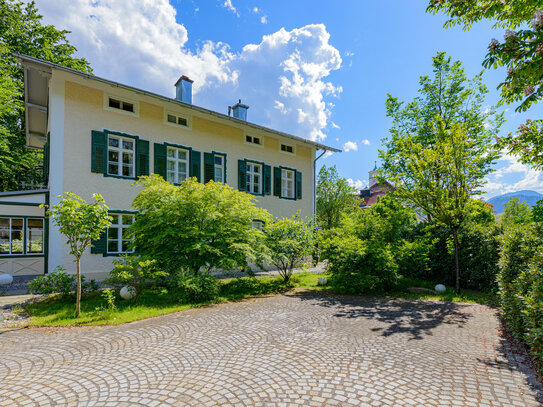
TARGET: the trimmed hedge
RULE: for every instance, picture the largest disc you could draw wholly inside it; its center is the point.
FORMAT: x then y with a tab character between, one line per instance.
520	282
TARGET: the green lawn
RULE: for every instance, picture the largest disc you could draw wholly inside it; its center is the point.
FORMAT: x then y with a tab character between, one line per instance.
59	311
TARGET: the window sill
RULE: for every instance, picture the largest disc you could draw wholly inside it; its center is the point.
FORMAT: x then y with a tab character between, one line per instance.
120	177
18	256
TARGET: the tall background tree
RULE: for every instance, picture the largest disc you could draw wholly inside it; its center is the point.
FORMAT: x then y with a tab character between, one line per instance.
521	52
334	197
22	31
439	149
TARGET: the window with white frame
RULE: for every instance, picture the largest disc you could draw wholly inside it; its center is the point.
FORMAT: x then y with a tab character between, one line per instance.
115	103
118	239
253	140
219	168
287	148
175	119
121	151
11	235
254	178
34	236
287	183
178	165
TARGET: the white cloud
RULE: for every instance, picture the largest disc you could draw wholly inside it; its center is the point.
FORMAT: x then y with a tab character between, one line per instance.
350	146
334	125
327	154
228	5
512	176
366	142
358	184
255	10
348	53
282	78
264	19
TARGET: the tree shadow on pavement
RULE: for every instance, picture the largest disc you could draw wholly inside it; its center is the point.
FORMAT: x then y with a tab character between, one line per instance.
417	318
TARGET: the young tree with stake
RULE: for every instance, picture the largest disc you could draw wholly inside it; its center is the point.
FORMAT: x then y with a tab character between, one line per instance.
80	223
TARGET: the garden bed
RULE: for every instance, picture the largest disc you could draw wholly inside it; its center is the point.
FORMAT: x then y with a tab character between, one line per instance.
58	310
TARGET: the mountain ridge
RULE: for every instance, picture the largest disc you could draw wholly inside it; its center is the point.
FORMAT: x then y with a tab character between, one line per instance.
529	196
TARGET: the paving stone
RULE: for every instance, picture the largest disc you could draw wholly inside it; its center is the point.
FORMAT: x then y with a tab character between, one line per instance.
292	349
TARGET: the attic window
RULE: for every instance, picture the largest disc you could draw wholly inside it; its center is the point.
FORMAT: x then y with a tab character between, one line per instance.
287	148
253	140
177	120
121	105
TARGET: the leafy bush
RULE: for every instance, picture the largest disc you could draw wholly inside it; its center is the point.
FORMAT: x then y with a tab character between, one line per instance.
135	272
533	310
427	254
290	242
359	266
519	246
60	282
413	258
56	282
196	226
197	288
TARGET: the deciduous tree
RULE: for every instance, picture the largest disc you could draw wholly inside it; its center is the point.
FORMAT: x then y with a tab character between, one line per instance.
290	242
516	212
195	226
22	31
334	197
80	223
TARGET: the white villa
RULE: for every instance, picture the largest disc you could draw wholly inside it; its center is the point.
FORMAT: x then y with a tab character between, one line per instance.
99	136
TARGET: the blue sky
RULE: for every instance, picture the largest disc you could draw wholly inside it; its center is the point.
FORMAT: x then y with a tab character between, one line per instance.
317	69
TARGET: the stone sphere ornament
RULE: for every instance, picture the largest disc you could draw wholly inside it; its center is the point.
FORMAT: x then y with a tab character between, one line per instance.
128	292
440	288
323	281
6	279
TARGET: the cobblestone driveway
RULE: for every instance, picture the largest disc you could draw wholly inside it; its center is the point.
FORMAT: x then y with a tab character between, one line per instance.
293	349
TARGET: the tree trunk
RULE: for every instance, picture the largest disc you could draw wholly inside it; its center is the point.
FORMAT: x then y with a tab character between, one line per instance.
456	259
78	295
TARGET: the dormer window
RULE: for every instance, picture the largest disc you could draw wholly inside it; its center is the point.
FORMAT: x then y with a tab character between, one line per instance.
121	105
253	140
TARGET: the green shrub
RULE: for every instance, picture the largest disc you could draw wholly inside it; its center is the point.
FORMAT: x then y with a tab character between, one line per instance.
196	226
56	282
413	258
136	272
359	266
519	245
289	242
428	255
197	288
60	282
533	310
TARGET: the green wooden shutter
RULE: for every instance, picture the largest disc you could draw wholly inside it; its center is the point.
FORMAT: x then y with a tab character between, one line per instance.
277	181
195	164
142	153
267	180
242	175
209	167
159	151
99	152
298	185
100	245
225	169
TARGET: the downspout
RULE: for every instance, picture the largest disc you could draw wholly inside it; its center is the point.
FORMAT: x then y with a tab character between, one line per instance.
315	184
